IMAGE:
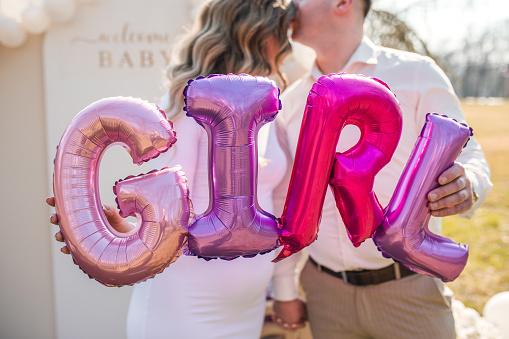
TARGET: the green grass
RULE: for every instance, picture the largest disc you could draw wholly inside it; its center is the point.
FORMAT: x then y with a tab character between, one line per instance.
487	234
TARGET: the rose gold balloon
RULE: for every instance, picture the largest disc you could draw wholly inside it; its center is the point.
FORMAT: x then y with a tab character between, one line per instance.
112	258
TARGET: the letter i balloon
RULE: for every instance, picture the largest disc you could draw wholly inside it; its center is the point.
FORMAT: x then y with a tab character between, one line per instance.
232	109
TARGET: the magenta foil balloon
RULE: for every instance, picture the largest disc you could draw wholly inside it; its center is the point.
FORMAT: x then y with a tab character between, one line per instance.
404	235
377	114
333	102
232	108
113	258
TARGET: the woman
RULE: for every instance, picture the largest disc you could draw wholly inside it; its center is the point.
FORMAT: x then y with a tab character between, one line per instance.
194	298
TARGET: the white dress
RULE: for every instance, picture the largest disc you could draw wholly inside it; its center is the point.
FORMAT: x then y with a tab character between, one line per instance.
198	299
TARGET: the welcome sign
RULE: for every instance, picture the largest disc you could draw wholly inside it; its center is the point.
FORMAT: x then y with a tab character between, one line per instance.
128	48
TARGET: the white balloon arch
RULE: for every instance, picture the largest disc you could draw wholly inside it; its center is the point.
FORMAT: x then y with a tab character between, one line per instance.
18	18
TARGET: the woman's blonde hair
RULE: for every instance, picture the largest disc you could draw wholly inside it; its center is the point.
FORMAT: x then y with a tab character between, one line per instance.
230	36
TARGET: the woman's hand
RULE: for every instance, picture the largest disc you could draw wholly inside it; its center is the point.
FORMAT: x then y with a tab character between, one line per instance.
114	219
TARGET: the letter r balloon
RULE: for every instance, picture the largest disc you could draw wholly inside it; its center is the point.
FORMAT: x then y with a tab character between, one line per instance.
333	102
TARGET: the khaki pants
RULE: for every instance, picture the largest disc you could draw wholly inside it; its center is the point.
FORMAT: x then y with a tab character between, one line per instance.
409	308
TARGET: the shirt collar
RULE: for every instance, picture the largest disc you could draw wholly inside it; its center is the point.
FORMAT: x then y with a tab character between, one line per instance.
366	53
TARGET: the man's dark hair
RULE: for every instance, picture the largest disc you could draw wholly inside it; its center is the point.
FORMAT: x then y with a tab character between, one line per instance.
367	7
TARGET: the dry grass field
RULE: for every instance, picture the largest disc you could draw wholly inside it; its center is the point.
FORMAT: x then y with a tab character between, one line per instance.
487	234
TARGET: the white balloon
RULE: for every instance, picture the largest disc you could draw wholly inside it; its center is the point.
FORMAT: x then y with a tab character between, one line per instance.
11	33
13	8
60	11
496	311
35	20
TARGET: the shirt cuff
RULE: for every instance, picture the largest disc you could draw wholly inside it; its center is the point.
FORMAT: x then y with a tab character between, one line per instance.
481	189
284	289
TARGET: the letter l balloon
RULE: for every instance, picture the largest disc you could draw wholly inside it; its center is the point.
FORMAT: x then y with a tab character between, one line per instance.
404	234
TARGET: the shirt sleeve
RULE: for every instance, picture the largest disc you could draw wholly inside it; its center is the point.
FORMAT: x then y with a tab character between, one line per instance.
437	95
286	272
285	278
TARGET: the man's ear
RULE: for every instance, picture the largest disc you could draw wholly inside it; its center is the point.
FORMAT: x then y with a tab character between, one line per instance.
342	6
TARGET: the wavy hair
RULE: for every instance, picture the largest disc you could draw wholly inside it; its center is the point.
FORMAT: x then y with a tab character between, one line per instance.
231	36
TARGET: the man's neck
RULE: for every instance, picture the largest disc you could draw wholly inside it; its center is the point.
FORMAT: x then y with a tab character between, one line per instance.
334	56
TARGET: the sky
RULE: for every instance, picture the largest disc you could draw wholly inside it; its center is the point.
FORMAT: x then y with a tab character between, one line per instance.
447	21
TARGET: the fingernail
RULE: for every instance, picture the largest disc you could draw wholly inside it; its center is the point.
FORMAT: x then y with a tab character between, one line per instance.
433	196
442	180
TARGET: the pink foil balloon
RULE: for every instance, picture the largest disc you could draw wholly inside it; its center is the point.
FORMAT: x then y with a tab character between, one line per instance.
333	102
112	258
404	235
378	115
232	108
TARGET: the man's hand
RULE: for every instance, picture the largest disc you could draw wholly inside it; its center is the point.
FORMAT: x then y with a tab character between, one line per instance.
455	194
289	314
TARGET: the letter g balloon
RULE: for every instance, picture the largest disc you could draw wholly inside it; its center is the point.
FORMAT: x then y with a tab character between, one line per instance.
112	258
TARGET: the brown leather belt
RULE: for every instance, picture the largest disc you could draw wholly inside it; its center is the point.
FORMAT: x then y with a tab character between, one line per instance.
367	277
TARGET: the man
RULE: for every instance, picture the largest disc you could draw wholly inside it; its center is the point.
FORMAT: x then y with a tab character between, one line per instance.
405	304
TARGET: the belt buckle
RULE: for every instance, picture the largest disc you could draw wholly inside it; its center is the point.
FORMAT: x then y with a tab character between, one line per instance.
345	278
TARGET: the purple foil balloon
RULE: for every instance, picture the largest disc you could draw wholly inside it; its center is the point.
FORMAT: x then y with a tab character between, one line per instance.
404	235
112	258
232	108
333	102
